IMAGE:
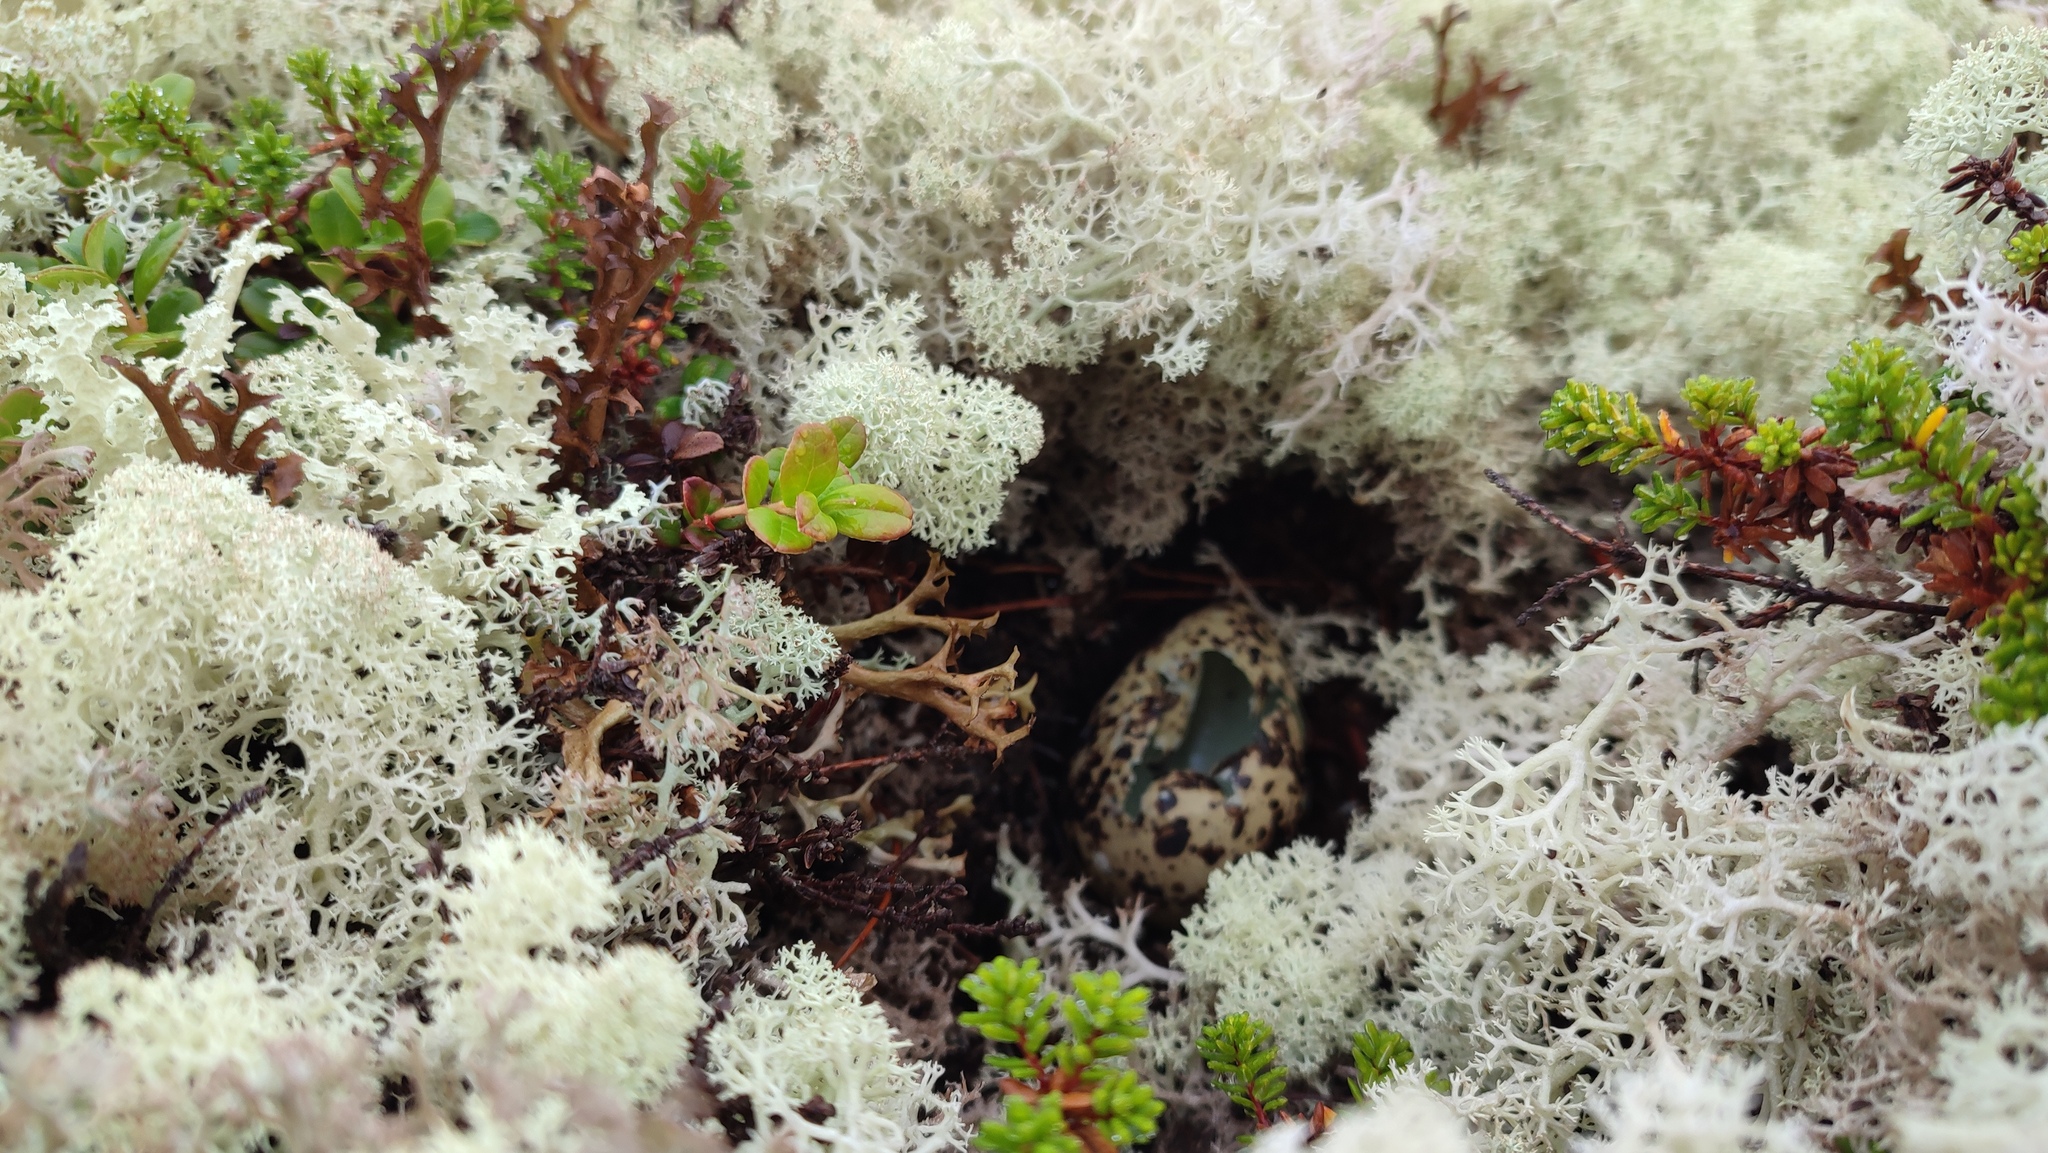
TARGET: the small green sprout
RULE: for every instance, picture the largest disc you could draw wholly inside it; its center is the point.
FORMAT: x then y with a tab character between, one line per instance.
1064	1097
2027	251
1378	1054
1776	444
1240	1049
1600	426
804	495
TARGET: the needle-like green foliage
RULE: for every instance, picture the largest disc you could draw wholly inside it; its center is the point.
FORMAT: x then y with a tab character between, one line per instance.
1239	1049
1070	1080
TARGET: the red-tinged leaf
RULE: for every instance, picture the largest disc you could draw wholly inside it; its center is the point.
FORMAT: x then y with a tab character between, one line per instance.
810	464
687	443
778	531
701	498
813	521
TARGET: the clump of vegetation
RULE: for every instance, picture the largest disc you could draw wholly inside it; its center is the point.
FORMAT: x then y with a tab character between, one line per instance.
1064	1095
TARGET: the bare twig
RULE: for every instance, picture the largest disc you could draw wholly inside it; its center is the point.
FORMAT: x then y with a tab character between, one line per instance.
183	868
1614	554
656	848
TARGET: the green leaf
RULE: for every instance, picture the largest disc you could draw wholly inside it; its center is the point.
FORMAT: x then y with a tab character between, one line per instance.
668	528
474	229
168	310
439	202
437	236
778	531
1716	401
853	438
332	223
810	464
666	409
1600	426
156	257
259	302
754	482
706	368
145	342
105	248
1028	1128
331	273
28	262
343	181
251	345
69	276
869	512
19	407
1377	1054
177	89
72	246
1775	445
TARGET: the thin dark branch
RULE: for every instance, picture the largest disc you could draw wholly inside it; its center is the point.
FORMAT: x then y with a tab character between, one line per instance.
183	868
1612	554
658	847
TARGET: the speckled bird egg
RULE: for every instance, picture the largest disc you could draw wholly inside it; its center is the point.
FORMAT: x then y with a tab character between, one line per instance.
1193	759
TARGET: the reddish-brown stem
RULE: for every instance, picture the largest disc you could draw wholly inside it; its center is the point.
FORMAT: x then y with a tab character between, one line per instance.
866	929
581	79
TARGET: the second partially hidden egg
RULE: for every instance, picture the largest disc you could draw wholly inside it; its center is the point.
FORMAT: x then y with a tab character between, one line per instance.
1193	759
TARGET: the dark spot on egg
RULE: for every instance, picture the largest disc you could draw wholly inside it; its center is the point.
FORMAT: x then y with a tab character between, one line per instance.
1166	800
1210	853
1172	839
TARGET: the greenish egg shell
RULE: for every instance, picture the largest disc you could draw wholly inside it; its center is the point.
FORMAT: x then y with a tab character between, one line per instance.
1193	759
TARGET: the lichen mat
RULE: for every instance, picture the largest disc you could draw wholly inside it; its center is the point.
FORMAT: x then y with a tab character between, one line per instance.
897	577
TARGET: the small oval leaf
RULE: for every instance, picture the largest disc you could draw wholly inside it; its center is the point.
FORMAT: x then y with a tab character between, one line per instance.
18	408
439	202
169	309
853	438
778	531
69	276
869	512
176	88
331	222
700	498
812	520
754	482
473	229
810	464
343	181
259	302
105	248
437	236
156	257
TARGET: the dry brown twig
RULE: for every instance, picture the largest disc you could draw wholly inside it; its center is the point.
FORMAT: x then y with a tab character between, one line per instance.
225	451
581	77
1458	115
989	705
